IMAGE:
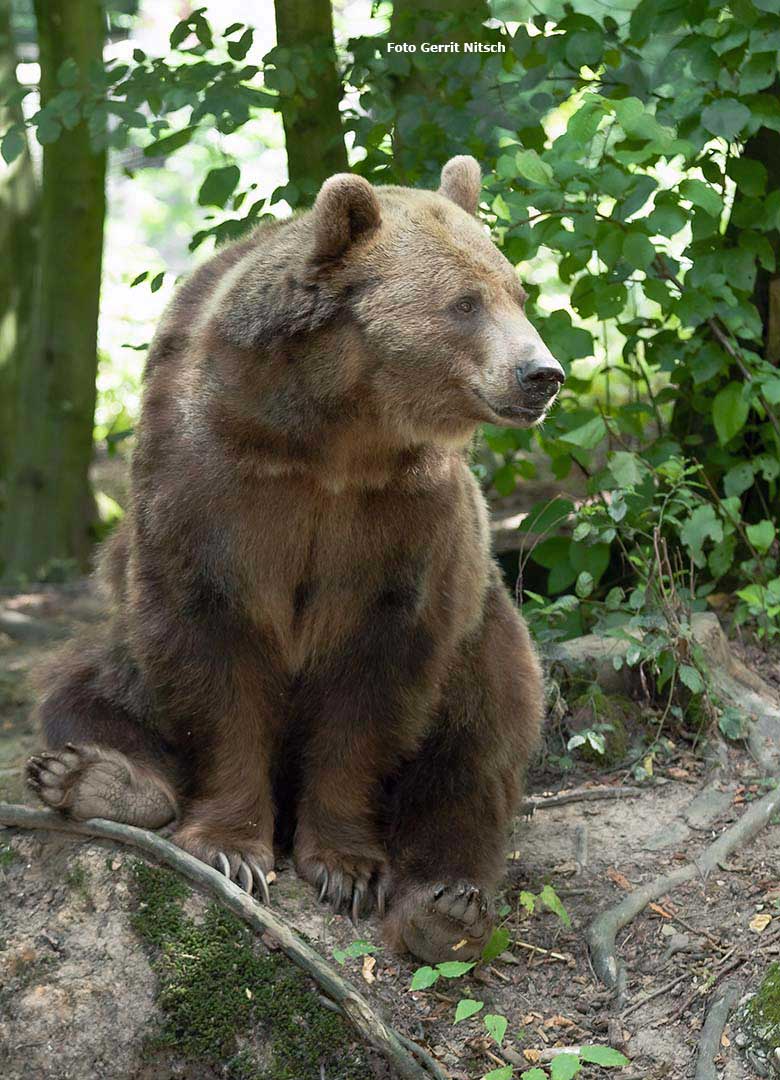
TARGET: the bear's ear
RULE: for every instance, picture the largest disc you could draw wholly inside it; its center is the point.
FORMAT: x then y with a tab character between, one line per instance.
346	209
461	181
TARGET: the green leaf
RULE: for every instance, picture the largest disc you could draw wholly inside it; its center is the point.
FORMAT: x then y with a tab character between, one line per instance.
564	1066
627	469
496	1025
584	584
157	281
169	143
691	678
761	536
759	72
729	412
534	1074
237	50
725	117
467	1007
453	969
424	977
505	479
530	166
68	72
585	47
498	942
701	194
588	435
13	145
701	525
544	517
139	279
638	250
504	1073
356	949
603	1055
219	185
549	897
738	479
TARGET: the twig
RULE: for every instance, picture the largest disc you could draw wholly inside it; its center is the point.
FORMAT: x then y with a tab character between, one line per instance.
548	802
352	1004
539	949
701	991
603	930
712	1032
655	994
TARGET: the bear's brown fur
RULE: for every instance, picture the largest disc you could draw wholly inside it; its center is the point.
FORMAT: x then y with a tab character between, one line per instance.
310	640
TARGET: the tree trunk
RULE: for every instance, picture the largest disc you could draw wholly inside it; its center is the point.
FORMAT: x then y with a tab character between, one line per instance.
312	125
18	197
49	510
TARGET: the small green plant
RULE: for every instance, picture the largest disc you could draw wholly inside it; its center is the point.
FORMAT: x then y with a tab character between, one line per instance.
7	855
564	1066
353	951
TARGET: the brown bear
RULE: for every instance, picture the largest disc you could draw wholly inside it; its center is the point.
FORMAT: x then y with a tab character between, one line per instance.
310	642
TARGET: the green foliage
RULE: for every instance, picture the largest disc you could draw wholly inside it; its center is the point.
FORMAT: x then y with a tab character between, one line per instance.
354	950
214	985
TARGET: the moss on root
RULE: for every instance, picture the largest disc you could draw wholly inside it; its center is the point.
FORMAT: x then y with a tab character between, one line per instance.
222	996
763	1010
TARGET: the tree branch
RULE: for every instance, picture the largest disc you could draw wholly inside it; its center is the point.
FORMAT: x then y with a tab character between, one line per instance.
352	1004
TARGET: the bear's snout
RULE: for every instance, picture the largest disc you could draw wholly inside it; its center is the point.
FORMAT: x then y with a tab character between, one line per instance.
540	377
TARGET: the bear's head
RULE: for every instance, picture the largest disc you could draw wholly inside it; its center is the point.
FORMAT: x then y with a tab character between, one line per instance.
389	307
439	307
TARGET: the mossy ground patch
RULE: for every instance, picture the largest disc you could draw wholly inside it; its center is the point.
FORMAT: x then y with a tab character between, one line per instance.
229	1003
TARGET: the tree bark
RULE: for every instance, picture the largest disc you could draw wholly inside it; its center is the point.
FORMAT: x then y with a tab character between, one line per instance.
18	198
312	125
49	505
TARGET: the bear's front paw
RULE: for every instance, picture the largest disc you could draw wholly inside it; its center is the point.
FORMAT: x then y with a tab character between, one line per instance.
348	882
441	921
247	862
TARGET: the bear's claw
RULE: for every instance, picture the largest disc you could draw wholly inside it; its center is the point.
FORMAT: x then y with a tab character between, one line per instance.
248	875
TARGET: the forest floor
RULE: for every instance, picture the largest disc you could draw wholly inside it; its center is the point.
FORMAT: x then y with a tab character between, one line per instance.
87	989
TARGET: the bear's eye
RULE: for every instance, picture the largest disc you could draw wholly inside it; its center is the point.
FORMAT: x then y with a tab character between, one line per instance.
466	305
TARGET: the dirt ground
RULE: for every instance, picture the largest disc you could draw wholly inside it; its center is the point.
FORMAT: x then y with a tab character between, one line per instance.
72	975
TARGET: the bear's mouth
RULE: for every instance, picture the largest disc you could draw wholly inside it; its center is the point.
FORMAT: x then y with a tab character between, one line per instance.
520	414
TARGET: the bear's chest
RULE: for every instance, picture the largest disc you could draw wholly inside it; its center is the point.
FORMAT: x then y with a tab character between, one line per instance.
318	567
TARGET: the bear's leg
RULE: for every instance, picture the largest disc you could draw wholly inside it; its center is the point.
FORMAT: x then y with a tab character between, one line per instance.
365	711
101	762
452	807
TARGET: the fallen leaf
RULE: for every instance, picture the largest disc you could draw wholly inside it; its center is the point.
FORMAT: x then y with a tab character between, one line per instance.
270	877
677	773
759	923
248	992
660	911
558	1021
725	1040
532	1055
369	963
460	944
619	879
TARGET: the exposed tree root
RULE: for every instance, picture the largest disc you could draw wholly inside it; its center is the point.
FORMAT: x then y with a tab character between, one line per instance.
348	1001
714	1023
604	928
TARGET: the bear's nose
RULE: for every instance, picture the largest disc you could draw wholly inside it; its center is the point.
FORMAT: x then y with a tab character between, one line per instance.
542	375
